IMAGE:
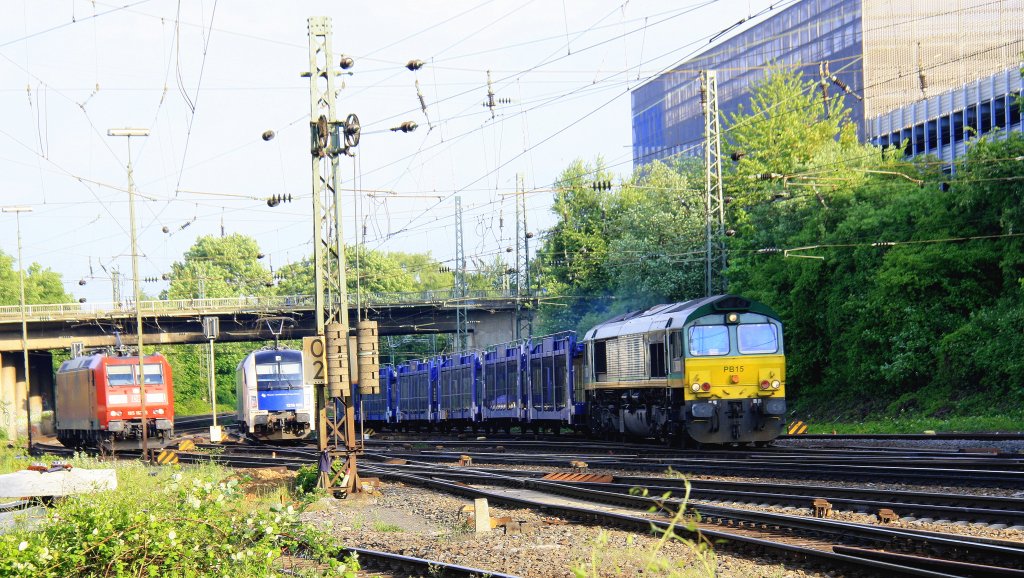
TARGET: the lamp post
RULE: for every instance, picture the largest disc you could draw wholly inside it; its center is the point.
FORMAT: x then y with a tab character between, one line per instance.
138	132
24	323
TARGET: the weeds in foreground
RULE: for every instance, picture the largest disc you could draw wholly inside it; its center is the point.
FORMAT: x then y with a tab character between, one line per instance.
193	522
381	526
654	561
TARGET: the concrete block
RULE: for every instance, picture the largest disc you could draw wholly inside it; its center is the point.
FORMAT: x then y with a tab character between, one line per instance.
63	483
481	515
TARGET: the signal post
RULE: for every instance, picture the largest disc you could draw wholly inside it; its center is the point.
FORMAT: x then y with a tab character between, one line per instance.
328	351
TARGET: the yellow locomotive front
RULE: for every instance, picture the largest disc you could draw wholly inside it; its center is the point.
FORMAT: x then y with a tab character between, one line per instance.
730	361
709	371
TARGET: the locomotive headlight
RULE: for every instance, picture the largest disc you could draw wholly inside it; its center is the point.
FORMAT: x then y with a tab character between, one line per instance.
158	411
733	318
695	387
705	386
765	384
776	384
115	414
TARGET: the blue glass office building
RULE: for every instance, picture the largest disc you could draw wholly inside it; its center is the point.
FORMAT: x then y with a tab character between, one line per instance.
896	54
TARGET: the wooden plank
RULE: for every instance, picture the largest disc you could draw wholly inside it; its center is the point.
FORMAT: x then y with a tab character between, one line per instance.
63	483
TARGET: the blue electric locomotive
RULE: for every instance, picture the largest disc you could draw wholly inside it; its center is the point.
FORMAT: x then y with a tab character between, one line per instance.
273	401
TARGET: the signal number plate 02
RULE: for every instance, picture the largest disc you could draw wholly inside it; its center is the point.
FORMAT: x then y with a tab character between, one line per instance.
314	360
733	369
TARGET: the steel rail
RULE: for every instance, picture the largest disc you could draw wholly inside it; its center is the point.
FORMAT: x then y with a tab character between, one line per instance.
641	524
986	436
630	499
758	468
421	566
908	505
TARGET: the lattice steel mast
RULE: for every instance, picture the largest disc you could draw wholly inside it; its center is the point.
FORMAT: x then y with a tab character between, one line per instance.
461	311
524	318
714	215
329	139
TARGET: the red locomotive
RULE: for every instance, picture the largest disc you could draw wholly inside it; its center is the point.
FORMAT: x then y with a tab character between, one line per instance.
98	401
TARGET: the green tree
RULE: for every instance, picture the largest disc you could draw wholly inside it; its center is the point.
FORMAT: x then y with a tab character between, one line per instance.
219	267
42	285
629	248
213	267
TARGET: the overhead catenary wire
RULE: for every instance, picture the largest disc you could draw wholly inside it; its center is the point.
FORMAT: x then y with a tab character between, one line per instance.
465	188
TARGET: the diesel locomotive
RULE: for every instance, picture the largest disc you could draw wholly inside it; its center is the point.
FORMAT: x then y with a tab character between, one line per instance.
709	371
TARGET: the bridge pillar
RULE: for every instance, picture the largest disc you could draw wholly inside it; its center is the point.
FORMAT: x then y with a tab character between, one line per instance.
41	366
15	400
491	328
8	397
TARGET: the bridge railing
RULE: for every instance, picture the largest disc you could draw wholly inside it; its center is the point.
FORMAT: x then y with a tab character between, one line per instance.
58	311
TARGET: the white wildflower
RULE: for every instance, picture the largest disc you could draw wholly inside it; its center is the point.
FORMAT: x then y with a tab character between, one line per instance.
172	535
22	546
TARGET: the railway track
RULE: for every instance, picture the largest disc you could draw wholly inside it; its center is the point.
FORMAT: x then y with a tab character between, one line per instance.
828	543
862	547
409	566
972	436
974	472
993	511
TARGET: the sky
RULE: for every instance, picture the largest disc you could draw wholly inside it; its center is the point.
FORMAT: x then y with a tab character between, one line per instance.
209	77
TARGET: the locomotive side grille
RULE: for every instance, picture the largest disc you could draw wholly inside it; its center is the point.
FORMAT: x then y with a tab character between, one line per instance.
627	360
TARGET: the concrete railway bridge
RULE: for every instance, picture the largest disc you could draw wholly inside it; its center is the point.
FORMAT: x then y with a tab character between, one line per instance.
492	318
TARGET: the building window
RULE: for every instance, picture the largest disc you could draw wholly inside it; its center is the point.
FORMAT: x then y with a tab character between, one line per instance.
1014	107
945	129
999	112
986	117
958	126
933	134
971	118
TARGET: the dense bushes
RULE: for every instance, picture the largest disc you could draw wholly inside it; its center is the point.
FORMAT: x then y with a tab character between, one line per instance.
193	523
911	300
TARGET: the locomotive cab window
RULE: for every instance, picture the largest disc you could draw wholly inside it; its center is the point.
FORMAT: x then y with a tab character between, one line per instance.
676	344
758	338
709	340
118	375
154	373
278	376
